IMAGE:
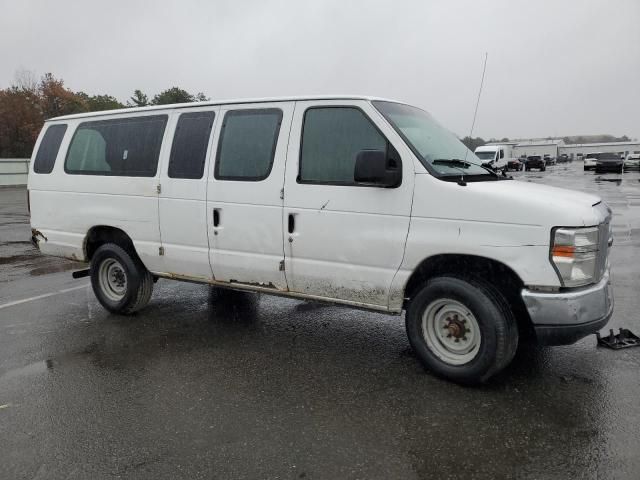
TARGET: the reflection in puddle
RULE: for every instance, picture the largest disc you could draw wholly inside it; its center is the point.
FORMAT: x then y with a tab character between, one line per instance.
232	305
617	181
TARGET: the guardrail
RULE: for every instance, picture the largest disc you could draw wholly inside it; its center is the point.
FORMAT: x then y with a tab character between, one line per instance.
13	171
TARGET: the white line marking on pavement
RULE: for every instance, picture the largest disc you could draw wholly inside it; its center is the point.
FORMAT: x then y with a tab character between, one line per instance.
45	295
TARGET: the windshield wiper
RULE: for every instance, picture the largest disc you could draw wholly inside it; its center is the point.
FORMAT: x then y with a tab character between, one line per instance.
455	163
452	161
460	165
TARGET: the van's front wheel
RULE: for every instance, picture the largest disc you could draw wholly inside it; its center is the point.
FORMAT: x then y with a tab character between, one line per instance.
120	282
461	329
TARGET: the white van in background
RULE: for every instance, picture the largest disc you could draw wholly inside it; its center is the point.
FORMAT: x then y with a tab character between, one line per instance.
353	200
494	156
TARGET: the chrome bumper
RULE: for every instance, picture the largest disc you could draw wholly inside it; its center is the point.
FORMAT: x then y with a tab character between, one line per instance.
565	317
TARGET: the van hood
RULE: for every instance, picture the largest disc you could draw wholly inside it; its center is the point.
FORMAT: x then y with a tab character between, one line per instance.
510	202
543	195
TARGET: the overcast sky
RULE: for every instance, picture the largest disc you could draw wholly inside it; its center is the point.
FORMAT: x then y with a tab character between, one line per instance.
554	67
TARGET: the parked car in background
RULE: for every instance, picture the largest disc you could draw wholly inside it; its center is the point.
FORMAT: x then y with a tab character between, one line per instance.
590	161
289	197
609	162
549	160
632	161
564	158
515	164
535	161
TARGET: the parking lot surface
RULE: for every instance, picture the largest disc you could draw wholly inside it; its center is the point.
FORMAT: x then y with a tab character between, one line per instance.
220	384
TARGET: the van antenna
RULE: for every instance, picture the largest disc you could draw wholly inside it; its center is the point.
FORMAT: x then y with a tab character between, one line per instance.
473	123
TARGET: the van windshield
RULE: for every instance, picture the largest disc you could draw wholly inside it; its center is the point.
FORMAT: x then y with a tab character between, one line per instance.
440	151
486	155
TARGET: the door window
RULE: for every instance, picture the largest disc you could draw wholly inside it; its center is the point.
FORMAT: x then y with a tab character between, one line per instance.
189	148
247	144
331	140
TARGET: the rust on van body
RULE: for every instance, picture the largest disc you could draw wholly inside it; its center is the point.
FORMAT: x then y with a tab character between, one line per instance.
34	237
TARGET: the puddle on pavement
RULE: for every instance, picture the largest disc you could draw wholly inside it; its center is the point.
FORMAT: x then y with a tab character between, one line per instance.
31	369
16	259
56	268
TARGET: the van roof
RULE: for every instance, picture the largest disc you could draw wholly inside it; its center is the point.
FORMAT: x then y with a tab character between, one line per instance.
219	102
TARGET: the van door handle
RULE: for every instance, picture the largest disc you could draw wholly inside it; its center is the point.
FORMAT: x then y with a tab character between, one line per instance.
291	223
216	217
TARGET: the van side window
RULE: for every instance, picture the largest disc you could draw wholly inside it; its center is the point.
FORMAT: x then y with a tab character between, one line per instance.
127	147
247	144
48	151
189	148
331	139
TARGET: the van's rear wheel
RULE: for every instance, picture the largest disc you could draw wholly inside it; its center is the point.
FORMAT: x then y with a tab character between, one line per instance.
120	281
461	329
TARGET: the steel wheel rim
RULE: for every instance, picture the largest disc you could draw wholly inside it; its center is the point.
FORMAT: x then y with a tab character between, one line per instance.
113	279
451	331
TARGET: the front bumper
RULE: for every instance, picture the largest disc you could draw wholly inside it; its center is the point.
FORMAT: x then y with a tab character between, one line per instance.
563	318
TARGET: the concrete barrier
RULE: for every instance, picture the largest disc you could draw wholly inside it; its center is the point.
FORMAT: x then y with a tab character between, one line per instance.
13	171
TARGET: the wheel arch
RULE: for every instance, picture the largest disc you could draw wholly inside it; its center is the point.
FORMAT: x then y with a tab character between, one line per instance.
501	276
100	234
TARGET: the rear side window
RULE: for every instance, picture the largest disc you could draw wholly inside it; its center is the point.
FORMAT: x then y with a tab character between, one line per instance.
127	147
247	144
48	151
331	139
189	148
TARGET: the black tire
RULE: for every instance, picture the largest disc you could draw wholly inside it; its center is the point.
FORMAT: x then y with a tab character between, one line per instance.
543	169
138	281
494	321
527	169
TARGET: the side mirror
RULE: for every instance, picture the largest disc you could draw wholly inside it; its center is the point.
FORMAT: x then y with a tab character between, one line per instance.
378	168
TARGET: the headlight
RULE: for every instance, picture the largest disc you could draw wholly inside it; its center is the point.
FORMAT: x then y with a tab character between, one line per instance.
574	254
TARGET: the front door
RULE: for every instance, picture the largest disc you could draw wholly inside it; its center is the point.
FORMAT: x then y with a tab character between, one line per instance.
343	241
244	204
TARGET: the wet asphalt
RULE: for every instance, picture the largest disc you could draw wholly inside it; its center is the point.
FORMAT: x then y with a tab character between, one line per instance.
221	384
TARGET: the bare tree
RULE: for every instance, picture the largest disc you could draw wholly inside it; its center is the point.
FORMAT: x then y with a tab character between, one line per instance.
25	80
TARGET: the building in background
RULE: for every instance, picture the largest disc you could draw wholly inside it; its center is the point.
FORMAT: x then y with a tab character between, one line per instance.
578	150
555	147
550	148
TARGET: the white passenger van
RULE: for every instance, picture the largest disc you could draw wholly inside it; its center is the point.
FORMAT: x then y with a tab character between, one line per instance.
494	156
352	200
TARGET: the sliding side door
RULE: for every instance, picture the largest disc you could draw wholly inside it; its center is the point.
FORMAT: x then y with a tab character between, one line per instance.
244	199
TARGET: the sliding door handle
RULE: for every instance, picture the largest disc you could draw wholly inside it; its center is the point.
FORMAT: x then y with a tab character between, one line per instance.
216	217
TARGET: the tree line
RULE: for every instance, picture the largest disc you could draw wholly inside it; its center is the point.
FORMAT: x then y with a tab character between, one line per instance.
28	102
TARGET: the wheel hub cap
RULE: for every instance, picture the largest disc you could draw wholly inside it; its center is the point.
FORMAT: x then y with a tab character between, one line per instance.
113	279
451	331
